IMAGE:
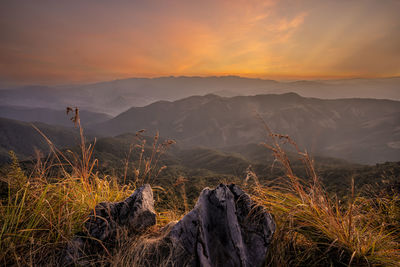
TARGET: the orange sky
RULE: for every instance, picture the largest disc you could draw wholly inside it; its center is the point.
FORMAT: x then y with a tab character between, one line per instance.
50	42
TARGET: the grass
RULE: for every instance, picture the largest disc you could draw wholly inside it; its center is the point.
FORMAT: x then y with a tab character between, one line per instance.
316	229
42	212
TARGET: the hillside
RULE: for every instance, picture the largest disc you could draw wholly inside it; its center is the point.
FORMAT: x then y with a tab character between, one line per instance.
68	199
205	166
358	130
114	97
49	116
23	139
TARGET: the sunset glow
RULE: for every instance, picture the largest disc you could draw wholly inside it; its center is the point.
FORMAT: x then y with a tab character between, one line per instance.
84	41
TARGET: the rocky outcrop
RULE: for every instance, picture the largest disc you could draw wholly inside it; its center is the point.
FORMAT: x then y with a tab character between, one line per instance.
225	228
108	220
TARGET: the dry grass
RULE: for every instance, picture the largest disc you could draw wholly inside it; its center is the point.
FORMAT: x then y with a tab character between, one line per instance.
146	169
43	211
314	229
151	249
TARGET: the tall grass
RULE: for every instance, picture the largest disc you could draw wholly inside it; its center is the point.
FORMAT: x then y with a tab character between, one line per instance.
316	229
44	211
146	169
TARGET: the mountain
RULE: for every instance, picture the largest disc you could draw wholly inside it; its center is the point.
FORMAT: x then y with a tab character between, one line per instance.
23	139
114	97
200	165
358	130
50	116
204	166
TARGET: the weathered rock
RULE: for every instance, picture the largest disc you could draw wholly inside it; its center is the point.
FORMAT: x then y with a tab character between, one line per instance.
101	230
134	213
225	228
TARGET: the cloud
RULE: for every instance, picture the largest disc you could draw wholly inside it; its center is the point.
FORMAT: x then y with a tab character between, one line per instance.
380	56
62	41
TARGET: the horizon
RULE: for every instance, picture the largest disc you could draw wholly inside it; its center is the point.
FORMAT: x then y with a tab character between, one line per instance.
51	43
293	80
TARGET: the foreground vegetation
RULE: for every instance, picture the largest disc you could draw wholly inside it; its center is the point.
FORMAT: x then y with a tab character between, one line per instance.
40	212
315	229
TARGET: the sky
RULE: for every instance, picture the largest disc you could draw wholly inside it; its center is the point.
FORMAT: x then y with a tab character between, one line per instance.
56	42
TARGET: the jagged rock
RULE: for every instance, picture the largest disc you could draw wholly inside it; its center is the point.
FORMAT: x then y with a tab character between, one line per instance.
108	220
225	228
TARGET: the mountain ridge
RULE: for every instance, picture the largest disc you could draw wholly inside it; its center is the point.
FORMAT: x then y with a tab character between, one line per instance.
114	97
23	139
330	127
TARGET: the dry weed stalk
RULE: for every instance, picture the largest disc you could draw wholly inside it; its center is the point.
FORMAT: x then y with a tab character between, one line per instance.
181	182
146	169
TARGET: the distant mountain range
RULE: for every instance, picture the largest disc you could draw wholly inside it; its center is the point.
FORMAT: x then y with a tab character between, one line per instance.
358	130
345	125
114	97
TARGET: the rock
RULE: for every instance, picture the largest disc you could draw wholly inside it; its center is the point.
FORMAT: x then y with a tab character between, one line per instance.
225	228
134	213
101	230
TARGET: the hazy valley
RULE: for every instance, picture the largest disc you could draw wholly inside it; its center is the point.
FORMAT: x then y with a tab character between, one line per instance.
114	97
354	129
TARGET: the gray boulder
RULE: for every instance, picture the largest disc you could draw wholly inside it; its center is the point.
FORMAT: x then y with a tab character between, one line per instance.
108	221
225	228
